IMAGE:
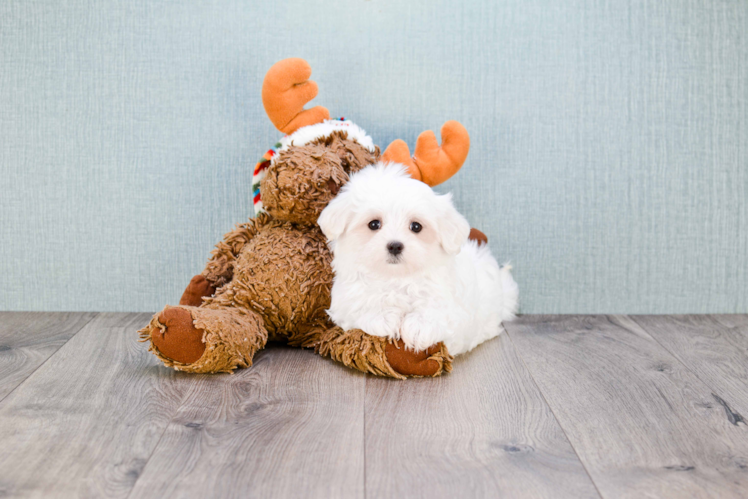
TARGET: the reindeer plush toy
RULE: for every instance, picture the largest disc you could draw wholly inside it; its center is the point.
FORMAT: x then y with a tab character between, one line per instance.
270	278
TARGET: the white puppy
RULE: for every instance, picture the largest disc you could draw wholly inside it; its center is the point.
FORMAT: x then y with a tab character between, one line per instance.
404	267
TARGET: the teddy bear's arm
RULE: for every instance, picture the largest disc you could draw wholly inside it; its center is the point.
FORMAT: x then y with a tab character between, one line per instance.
220	267
380	356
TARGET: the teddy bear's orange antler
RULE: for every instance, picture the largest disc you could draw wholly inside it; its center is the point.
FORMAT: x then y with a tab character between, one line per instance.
285	90
430	163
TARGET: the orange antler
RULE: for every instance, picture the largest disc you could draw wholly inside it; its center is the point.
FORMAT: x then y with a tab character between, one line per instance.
285	90
430	163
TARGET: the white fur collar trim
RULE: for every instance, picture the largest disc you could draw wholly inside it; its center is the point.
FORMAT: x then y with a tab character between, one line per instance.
307	134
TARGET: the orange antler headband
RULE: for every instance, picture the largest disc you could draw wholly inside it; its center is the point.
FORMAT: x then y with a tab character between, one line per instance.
430	163
287	88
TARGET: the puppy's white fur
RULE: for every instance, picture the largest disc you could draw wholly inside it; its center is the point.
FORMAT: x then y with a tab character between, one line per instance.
441	288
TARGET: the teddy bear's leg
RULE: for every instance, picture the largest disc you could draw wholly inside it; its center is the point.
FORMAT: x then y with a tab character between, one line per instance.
205	339
379	356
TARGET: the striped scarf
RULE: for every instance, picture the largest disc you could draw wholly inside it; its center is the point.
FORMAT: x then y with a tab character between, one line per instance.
260	170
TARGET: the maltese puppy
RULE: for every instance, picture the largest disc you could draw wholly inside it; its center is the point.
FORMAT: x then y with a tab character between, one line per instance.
405	269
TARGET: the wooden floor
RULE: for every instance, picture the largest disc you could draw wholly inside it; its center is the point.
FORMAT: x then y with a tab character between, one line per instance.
561	406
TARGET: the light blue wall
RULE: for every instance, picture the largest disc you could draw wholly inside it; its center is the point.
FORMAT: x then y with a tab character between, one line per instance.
609	155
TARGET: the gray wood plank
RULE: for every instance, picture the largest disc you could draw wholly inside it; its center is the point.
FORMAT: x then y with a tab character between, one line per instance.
482	431
28	339
642	423
737	328
289	426
710	349
85	423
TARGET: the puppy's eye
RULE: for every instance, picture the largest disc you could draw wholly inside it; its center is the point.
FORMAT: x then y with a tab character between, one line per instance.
375	224
416	227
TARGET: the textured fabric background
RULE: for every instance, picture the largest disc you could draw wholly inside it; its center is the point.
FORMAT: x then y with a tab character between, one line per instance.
609	155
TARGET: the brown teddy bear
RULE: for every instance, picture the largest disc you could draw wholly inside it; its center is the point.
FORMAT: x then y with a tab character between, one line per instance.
270	278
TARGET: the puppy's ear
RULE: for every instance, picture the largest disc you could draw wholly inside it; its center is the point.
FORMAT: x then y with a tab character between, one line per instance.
337	215
452	228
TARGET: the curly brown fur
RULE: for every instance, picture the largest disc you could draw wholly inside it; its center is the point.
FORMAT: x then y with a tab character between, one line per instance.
284	275
353	157
220	267
296	187
357	349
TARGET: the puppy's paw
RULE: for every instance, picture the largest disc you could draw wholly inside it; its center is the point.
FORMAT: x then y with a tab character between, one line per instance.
421	332
427	363
378	325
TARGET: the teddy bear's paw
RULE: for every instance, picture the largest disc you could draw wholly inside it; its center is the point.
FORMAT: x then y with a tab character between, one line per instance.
198	288
478	236
178	340
429	363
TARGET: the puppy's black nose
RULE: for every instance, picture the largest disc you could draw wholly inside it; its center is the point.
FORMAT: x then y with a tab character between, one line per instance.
395	247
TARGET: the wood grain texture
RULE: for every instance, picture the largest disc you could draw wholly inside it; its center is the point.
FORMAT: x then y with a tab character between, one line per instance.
653	406
85	423
28	339
712	350
290	426
642	423
482	431
737	328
